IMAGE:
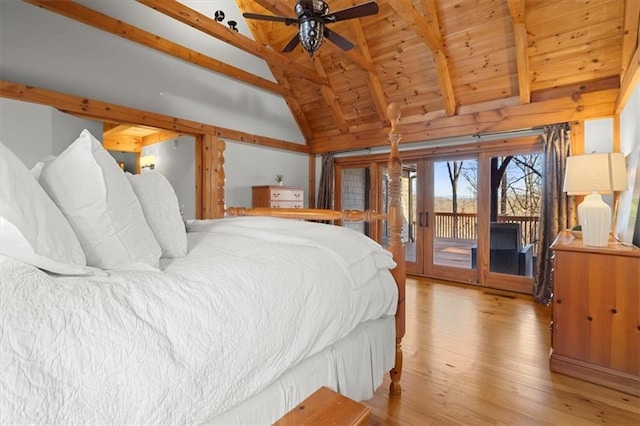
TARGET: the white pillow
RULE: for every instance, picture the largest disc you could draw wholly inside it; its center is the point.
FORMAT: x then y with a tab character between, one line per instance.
162	212
96	198
32	229
37	168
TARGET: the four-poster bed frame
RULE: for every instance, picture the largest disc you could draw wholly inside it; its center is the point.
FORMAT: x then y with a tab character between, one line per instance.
210	177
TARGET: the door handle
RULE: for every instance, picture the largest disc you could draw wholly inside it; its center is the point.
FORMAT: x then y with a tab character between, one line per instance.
424	215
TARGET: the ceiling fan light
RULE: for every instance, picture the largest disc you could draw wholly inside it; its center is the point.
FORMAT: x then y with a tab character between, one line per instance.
311	33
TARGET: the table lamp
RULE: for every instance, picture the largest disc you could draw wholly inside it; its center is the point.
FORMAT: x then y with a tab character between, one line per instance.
595	174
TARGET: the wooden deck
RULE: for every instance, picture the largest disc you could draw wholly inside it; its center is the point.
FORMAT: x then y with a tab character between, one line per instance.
447	252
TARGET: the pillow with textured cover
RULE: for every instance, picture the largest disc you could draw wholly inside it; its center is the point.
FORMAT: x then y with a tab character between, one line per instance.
96	197
32	228
162	211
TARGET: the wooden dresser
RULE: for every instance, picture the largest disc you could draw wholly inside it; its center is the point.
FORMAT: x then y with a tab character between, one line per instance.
596	313
275	196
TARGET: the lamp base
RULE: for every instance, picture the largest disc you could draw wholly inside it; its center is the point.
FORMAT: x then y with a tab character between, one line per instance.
594	216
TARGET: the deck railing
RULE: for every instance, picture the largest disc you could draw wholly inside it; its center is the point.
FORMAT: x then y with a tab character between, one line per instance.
464	226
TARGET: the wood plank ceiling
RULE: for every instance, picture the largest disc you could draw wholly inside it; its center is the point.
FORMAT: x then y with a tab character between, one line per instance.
455	67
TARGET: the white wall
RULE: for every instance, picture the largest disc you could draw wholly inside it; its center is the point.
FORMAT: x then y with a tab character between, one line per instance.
47	50
598	135
630	123
247	166
43	49
629	216
34	132
175	160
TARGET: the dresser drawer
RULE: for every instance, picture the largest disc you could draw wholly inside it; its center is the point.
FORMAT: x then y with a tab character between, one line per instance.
285	194
286	204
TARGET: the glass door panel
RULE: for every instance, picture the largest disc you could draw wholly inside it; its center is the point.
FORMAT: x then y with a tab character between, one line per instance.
516	184
355	195
454	223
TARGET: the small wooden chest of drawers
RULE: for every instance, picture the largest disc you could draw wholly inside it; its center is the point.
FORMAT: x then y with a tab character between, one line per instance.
596	313
275	196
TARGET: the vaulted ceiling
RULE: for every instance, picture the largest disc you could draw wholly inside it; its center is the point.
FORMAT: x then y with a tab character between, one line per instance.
455	67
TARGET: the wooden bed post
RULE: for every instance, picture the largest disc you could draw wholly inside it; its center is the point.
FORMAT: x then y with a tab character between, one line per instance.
395	246
395	222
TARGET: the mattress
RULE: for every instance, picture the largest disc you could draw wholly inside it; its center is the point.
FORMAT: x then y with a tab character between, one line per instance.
251	300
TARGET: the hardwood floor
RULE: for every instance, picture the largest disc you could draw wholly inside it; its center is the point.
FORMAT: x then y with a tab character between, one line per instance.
475	356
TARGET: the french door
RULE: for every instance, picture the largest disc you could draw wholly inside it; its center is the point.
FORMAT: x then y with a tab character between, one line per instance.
470	215
443	215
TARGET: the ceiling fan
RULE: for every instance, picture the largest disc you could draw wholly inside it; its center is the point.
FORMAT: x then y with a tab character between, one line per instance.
312	15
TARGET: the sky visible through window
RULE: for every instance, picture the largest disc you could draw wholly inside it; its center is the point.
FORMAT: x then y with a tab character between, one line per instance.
442	184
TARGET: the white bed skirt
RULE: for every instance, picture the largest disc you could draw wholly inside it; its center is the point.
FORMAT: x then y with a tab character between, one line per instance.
354	366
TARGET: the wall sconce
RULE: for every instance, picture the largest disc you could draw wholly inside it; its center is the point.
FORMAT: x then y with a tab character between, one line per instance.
595	174
148	162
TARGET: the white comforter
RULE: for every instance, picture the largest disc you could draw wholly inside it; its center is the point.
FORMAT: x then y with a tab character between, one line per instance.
253	297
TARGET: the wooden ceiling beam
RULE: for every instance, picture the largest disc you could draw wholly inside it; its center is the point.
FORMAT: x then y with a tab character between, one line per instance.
277	7
159	136
513	117
103	111
631	34
431	37
111	129
122	143
201	22
331	99
375	86
517	11
630	82
106	23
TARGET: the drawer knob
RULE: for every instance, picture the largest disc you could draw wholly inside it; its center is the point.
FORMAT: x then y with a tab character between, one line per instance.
589	318
559	301
614	311
276	194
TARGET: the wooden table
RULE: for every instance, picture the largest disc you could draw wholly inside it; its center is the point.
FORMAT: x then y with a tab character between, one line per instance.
326	407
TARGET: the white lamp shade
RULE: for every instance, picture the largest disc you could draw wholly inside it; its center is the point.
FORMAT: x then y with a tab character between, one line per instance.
595	174
601	173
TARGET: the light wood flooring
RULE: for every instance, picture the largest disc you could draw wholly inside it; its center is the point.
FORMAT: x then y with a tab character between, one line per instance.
475	356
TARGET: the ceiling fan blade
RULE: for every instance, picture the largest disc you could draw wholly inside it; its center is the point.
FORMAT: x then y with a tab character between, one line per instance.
292	44
359	11
338	40
287	21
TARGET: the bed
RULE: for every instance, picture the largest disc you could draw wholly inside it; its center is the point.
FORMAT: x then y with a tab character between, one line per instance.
230	320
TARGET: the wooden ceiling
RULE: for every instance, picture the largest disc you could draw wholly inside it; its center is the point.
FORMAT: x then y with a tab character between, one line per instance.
455	67
132	138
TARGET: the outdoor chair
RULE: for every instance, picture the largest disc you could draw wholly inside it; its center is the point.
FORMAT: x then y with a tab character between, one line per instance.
506	254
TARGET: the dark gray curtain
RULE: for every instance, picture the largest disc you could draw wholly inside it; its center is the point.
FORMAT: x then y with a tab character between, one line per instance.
557	211
325	190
